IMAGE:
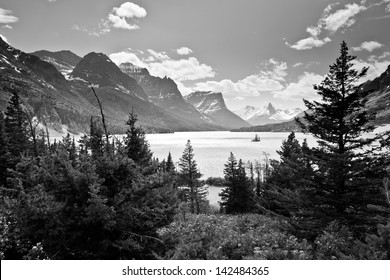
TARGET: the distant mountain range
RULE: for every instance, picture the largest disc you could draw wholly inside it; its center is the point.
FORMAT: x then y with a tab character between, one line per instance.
55	87
378	103
266	115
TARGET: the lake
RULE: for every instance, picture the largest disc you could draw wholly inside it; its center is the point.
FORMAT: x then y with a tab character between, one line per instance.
212	149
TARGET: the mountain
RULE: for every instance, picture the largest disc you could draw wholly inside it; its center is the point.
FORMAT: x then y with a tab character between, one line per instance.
68	102
213	105
164	93
44	91
266	115
63	61
379	98
99	70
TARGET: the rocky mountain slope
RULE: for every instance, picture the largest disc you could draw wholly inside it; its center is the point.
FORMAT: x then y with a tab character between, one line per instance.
266	115
69	101
379	98
164	93
213	105
64	61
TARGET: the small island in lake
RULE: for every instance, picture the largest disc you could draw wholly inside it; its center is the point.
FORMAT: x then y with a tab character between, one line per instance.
256	139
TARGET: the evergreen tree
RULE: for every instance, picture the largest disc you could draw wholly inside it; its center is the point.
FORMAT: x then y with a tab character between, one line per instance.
4	154
136	144
341	189
170	167
193	191
16	128
238	195
287	179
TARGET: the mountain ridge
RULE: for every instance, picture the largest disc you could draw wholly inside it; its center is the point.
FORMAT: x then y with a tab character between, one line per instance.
213	105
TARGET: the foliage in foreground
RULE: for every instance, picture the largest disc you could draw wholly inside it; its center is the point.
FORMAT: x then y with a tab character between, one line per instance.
254	236
249	236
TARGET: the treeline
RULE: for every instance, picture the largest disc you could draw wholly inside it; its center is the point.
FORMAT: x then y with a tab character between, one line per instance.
108	198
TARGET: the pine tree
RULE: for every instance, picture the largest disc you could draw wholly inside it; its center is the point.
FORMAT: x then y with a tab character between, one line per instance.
189	177
16	128
238	195
341	189
170	167
136	144
4	154
288	177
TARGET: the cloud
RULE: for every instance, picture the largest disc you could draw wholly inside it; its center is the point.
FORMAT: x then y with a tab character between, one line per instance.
103	28
183	51
120	22
368	46
181	70
377	65
128	10
297	64
329	22
303	88
127	56
265	81
3	38
161	65
123	17
309	43
343	18
5	16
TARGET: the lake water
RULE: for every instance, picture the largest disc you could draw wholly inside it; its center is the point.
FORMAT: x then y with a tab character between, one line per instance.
212	149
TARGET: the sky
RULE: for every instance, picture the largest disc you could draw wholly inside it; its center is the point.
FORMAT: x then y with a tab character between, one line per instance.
253	51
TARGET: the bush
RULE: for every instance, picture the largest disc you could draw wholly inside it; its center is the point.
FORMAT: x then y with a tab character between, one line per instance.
231	237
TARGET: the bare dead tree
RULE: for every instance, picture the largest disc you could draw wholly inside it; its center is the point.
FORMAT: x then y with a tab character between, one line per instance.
102	114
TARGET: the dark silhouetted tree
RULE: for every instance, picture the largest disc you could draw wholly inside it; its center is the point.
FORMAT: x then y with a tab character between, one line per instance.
238	196
345	183
136	145
193	190
16	128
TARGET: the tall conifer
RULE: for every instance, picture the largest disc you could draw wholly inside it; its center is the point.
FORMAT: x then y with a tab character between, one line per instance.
342	190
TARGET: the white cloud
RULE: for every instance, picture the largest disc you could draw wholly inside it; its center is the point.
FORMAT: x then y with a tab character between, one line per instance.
126	56
309	43
4	38
377	65
120	22
181	70
184	51
253	85
161	65
330	22
124	12
158	55
5	16
343	18
103	28
298	64
303	88
7	26
368	46
129	10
